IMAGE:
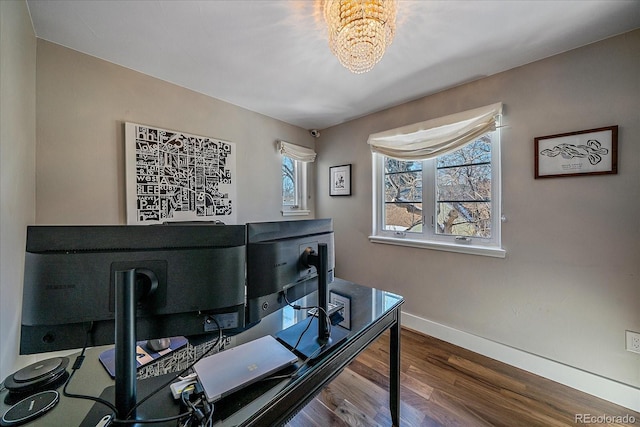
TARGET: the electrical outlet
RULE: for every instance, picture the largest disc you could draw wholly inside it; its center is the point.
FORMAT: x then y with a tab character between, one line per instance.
633	341
345	311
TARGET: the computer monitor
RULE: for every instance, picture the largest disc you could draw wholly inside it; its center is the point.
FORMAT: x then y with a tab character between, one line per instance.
124	283
286	261
185	274
274	262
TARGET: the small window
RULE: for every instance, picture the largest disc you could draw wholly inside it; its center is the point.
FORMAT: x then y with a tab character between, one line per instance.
294	187
294	178
289	182
449	201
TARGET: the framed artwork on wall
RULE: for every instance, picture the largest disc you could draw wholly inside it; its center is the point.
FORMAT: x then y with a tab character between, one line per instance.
340	180
586	152
175	176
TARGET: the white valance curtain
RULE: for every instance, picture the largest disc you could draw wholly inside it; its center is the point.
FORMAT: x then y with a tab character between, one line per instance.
435	137
296	152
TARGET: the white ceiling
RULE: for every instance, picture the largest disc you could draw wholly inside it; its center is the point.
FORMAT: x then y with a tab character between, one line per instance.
271	56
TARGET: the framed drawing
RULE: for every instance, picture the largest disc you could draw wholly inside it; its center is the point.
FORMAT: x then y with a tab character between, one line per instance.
586	152
176	176
340	180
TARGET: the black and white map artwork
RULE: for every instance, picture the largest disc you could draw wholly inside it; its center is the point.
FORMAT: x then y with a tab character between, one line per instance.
175	176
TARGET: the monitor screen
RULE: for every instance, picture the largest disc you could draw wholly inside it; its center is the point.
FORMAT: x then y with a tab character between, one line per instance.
274	262
185	274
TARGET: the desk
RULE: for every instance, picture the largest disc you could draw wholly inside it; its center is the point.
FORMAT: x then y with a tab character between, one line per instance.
266	404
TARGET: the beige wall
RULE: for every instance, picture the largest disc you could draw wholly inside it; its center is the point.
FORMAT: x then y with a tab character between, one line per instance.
570	284
567	289
17	166
74	173
82	105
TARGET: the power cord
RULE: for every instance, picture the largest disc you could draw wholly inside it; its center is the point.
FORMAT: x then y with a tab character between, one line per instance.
76	365
114	420
174	377
299	307
201	411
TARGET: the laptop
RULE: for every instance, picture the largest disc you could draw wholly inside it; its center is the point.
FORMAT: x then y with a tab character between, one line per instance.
232	369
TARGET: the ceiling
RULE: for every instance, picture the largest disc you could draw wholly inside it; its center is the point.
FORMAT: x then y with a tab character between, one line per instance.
272	57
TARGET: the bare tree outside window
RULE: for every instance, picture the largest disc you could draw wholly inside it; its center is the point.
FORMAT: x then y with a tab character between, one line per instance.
288	182
403	195
462	192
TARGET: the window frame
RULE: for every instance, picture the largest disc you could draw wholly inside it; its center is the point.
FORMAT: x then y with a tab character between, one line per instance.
428	238
300	207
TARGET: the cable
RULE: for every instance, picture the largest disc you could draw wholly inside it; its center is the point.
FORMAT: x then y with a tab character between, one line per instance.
158	389
296	307
302	365
80	359
299	307
303	332
151	421
76	365
318	308
204	416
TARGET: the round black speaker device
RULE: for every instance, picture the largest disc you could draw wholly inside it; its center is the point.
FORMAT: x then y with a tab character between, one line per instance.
37	376
30	408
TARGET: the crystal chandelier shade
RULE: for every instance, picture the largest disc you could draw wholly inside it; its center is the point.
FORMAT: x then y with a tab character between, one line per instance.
360	31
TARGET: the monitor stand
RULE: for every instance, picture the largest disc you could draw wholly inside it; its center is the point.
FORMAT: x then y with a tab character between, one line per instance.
313	340
125	346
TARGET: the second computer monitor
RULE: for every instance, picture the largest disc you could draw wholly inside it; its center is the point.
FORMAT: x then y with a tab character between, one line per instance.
274	262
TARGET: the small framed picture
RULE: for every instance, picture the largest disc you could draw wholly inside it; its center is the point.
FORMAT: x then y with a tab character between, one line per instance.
340	180
586	152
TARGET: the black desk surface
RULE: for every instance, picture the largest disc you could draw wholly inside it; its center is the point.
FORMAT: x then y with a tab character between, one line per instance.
265	403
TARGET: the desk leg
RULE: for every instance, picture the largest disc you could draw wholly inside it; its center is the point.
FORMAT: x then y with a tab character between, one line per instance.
394	374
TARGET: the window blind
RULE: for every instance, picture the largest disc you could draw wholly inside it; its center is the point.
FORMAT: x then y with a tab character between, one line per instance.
432	138
296	152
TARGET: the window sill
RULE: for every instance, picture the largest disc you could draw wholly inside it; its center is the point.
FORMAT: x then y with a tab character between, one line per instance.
441	246
296	212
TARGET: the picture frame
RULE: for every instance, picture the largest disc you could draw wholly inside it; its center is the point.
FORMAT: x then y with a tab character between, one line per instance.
176	176
340	180
585	152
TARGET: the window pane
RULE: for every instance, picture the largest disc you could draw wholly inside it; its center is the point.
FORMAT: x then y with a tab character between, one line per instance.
393	165
464	183
288	182
472	219
403	187
402	195
403	217
463	191
478	151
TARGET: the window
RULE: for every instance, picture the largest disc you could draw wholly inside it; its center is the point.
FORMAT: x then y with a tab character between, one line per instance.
289	182
294	178
449	201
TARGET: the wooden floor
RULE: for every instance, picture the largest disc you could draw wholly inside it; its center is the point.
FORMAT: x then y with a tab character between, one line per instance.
445	385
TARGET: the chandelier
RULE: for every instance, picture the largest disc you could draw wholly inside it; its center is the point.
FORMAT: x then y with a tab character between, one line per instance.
360	31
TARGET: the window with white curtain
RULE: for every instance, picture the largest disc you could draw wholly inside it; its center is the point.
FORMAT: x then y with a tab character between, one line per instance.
294	177
437	183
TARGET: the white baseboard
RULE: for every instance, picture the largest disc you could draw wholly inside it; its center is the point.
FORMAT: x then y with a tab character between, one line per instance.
612	391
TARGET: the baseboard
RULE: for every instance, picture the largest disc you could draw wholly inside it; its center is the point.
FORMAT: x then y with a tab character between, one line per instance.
612	391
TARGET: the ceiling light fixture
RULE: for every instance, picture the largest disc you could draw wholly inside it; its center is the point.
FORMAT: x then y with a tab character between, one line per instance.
360	31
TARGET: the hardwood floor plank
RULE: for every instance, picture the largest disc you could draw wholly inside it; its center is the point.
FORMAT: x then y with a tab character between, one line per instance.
487	374
353	416
317	414
445	385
